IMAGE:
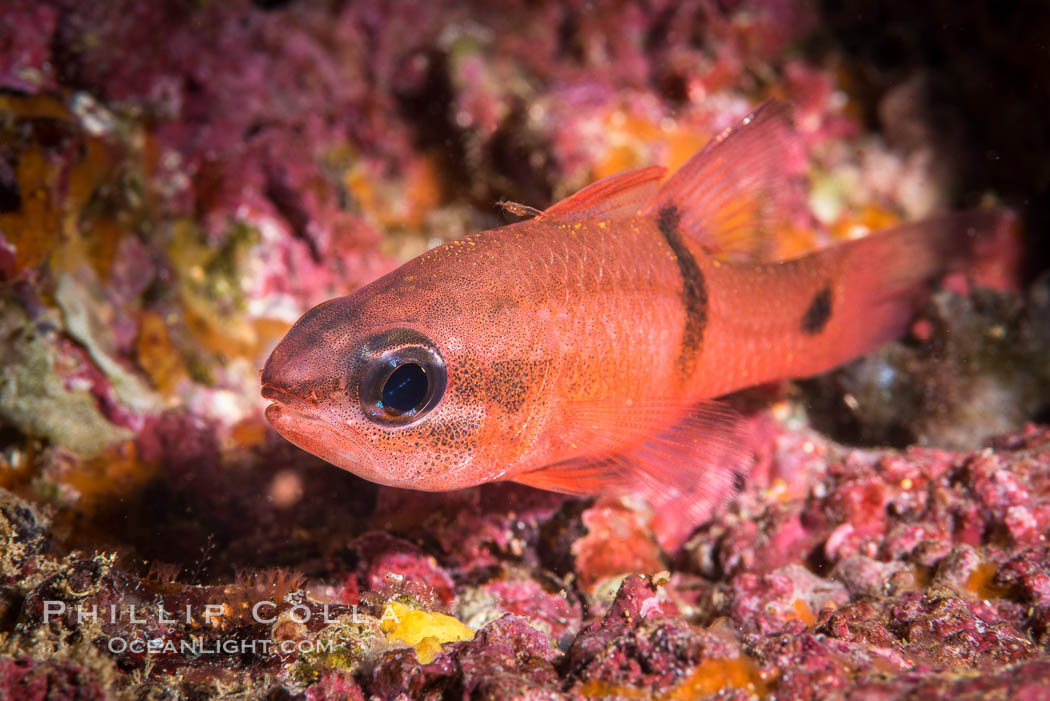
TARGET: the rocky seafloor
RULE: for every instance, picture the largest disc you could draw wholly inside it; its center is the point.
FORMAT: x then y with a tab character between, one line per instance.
179	181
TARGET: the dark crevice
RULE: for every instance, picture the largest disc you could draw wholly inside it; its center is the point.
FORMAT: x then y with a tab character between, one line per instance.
983	71
522	162
290	206
268	5
568	36
428	104
10	195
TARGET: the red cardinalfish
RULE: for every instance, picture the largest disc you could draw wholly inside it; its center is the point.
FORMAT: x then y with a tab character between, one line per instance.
583	350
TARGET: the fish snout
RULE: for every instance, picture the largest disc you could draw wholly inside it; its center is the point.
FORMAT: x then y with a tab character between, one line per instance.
278	370
303	366
274	379
297	381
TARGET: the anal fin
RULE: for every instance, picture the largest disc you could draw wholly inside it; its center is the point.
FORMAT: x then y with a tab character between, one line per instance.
698	460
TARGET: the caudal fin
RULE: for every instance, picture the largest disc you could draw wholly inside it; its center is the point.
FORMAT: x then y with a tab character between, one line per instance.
864	293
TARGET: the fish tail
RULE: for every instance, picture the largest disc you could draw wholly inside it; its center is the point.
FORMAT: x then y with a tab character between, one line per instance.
885	277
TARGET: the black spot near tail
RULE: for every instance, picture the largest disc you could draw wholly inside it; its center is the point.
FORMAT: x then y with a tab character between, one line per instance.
694	290
739	481
818	312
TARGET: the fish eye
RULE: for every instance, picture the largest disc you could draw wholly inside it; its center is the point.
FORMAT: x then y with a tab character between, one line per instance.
406	388
404	377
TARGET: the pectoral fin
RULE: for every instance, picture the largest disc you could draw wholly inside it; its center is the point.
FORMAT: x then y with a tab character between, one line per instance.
694	461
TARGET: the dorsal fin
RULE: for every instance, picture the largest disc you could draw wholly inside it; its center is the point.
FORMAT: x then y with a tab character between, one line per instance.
620	195
733	196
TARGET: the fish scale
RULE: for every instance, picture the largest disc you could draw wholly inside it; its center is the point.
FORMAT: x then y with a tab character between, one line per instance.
586	350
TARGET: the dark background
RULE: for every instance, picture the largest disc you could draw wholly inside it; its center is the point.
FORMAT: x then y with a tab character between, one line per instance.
984	70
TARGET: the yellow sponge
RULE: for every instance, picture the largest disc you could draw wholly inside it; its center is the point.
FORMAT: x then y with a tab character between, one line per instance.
424	631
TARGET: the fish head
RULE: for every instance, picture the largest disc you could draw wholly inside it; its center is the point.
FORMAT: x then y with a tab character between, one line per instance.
396	396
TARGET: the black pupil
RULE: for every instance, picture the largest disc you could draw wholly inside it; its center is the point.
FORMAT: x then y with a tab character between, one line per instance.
405	389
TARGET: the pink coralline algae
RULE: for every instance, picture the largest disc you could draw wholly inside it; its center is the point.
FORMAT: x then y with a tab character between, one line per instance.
32	680
549	606
391	567
179	181
897	612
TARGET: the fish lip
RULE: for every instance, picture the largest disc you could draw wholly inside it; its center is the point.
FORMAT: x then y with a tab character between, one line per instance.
273	413
272	392
315	436
283	397
285	407
279	414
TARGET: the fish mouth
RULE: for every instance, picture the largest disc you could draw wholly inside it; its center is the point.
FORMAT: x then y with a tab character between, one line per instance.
277	394
283	398
288	413
303	428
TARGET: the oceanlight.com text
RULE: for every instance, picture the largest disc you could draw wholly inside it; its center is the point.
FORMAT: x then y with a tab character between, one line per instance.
230	646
